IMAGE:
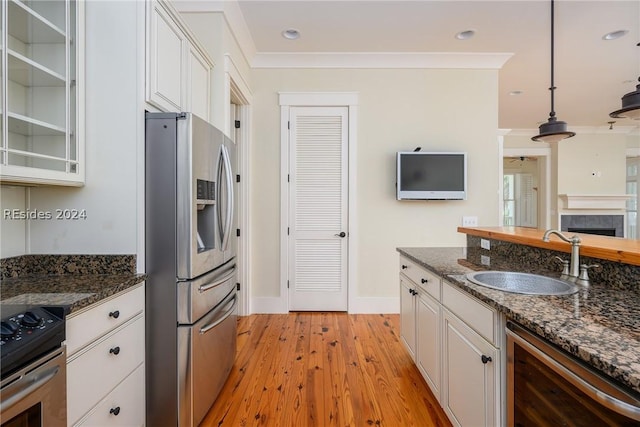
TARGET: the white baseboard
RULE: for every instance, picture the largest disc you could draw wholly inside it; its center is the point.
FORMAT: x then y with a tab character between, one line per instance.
268	305
374	305
364	305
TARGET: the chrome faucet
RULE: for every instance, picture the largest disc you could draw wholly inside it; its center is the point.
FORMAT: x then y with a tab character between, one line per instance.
574	269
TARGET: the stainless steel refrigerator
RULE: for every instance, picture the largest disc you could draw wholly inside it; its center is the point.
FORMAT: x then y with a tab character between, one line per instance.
190	228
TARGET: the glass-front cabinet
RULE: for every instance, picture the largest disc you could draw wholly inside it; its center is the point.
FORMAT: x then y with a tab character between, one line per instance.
41	79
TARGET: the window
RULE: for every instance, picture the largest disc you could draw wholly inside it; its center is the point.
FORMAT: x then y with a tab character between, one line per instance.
509	202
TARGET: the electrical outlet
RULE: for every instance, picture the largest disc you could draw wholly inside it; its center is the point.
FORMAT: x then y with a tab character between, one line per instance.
485	260
485	244
469	221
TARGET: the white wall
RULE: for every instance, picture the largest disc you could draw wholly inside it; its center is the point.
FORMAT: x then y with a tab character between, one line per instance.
592	164
114	135
14	238
398	110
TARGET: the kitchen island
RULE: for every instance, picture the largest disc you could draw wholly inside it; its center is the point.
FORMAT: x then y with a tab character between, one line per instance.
600	325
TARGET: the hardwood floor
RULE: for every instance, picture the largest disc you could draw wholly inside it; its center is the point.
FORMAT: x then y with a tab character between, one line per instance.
323	369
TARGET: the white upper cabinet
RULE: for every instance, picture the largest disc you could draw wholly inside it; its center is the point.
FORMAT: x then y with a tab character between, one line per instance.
42	98
178	68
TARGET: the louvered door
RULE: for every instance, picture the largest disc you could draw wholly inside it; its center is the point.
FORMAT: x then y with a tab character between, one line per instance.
318	235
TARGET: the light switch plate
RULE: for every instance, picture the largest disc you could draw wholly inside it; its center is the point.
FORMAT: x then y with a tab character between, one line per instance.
485	244
469	221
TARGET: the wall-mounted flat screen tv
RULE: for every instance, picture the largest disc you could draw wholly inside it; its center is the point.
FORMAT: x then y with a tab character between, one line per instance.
423	175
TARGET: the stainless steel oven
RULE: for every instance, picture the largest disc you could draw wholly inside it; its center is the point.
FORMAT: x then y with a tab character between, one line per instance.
35	396
33	366
548	387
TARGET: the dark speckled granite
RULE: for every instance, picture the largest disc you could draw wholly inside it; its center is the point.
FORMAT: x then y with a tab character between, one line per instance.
600	325
39	265
75	281
611	273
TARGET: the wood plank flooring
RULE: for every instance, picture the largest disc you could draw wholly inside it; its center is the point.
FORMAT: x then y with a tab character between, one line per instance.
323	369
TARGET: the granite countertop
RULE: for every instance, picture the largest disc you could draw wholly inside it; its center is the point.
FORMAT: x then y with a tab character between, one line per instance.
72	291
73	281
599	325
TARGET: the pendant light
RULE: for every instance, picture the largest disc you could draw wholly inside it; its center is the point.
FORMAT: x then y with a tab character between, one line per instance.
553	130
630	104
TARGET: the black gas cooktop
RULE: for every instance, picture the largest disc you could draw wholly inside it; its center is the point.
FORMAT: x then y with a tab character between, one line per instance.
27	332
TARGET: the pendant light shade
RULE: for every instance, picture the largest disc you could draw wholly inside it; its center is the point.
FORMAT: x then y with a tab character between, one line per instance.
630	105
553	130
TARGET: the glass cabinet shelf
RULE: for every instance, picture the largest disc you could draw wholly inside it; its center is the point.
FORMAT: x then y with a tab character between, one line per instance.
28	26
26	72
26	126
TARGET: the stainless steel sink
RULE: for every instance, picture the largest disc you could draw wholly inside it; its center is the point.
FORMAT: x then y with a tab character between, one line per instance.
522	283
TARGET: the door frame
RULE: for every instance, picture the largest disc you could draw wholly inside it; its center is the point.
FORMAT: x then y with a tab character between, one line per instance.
544	180
317	99
237	89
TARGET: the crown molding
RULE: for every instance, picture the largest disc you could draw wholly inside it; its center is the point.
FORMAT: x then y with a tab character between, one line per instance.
449	60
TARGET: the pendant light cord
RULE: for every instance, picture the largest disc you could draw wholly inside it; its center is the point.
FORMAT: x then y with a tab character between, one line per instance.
553	87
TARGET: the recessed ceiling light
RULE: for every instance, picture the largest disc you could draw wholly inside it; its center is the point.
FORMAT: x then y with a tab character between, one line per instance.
465	35
615	35
516	92
291	34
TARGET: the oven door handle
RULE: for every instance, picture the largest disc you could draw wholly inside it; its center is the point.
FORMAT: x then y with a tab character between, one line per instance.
25	386
611	402
228	313
206	287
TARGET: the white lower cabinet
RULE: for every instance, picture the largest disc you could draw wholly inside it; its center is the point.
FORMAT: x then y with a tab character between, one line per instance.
408	315
428	330
455	341
470	375
120	407
105	368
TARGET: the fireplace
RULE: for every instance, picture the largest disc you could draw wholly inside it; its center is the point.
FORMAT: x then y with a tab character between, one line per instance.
605	225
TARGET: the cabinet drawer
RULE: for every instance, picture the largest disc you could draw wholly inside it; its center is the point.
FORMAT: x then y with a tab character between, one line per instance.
421	277
473	312
94	373
101	318
124	406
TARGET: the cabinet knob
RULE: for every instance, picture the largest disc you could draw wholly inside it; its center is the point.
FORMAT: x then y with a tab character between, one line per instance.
424	281
115	411
114	314
404	267
116	350
486	359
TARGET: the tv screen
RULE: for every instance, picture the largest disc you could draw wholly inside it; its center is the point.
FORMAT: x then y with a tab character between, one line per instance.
425	175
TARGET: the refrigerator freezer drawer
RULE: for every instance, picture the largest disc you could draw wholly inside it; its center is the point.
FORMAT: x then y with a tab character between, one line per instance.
198	297
206	352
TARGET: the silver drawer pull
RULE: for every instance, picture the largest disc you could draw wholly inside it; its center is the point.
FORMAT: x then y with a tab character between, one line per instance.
229	312
204	288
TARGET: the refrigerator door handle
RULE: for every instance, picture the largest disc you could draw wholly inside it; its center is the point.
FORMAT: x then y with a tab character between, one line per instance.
229	202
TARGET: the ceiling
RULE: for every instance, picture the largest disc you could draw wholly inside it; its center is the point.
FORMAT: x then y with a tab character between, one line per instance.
591	74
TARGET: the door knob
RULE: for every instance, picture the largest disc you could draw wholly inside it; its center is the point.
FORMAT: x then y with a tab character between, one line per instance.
342	234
